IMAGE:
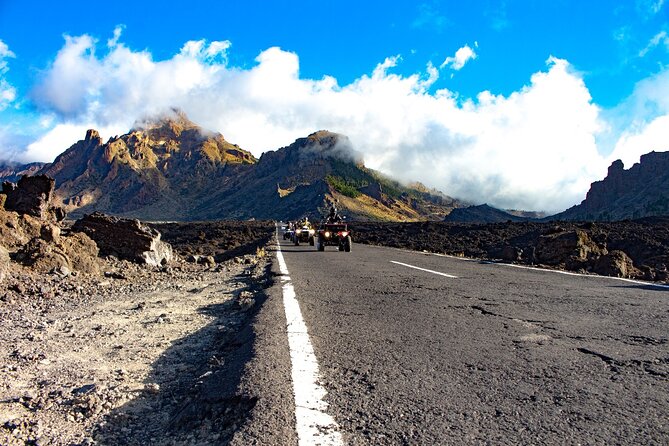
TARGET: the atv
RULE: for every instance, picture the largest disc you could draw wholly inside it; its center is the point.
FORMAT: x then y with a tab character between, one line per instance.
304	234
334	234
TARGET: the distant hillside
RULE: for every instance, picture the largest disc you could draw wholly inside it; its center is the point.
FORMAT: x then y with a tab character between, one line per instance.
302	178
641	191
169	168
482	214
12	172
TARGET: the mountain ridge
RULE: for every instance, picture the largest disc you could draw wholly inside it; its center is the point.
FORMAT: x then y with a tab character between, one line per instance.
640	191
169	168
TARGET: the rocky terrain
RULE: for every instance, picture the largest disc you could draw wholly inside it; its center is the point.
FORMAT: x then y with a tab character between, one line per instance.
635	249
640	191
122	357
114	336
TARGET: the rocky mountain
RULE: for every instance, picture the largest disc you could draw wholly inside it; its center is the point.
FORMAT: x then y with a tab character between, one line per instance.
161	169
12	172
641	191
482	214
169	168
304	177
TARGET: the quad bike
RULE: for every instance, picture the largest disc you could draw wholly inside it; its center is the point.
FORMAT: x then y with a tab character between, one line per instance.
304	234
334	234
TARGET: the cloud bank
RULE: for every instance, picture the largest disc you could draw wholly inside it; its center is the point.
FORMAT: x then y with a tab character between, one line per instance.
534	149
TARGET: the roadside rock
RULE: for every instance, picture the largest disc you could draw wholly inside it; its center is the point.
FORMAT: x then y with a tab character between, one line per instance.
76	252
507	253
125	239
615	263
573	249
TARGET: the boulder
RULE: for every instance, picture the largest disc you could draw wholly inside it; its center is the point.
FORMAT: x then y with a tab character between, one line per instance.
82	253
616	264
16	230
125	239
76	252
42	256
50	232
573	249
32	196
507	253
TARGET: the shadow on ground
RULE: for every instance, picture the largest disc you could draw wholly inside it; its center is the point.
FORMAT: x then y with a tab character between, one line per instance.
196	399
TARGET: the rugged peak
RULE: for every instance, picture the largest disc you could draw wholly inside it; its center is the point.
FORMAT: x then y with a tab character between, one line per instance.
325	136
169	124
640	191
92	134
616	166
326	144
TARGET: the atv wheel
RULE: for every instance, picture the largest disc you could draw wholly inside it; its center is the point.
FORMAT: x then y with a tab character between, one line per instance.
347	244
311	241
320	246
296	240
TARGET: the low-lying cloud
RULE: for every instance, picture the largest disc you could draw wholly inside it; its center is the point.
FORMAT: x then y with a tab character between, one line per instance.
538	148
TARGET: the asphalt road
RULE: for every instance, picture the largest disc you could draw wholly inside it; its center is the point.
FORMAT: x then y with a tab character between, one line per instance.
493	355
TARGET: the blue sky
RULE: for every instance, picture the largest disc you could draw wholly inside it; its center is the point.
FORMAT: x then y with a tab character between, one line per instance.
515	103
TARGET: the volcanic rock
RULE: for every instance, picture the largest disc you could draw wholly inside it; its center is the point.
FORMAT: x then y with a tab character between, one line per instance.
31	196
570	248
76	252
125	239
16	230
616	264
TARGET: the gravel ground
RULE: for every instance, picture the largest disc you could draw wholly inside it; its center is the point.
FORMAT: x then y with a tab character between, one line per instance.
127	357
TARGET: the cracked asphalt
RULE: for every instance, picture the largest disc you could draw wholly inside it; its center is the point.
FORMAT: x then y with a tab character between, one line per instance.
497	355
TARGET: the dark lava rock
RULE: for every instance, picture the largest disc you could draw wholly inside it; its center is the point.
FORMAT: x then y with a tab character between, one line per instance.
125	239
615	263
567	246
32	196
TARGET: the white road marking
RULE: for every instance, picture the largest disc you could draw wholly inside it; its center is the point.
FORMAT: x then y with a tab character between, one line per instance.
423	269
533	268
313	425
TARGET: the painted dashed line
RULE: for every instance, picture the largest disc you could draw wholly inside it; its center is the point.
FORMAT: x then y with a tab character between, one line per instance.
313	425
532	268
423	269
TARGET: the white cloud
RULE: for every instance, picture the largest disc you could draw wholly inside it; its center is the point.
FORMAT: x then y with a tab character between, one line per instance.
661	38
111	43
7	91
461	57
644	120
533	149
